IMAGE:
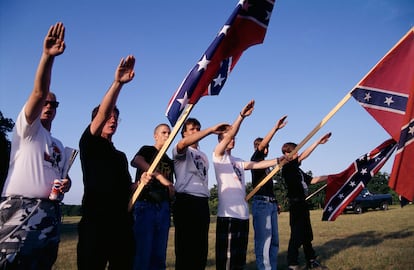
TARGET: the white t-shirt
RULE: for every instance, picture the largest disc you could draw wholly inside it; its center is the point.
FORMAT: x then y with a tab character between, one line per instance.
191	172
231	187
36	159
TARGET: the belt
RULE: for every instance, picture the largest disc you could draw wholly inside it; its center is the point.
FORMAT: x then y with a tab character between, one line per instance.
265	198
297	199
153	196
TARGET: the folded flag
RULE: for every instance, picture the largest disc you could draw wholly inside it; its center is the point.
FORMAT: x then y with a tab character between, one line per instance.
387	93
245	27
342	188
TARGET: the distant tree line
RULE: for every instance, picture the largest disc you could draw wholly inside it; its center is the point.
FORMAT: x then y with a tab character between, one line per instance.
378	184
6	125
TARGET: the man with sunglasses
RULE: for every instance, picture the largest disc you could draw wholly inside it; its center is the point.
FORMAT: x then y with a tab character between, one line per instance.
29	220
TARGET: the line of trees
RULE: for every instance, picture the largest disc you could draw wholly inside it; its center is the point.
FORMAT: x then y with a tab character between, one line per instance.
6	125
378	185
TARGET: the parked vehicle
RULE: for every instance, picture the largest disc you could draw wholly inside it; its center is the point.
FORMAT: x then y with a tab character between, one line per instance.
366	200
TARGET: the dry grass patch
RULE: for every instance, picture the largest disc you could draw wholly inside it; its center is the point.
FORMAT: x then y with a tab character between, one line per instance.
372	240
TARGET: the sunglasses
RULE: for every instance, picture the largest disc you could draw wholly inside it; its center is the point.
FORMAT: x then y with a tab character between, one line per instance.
53	104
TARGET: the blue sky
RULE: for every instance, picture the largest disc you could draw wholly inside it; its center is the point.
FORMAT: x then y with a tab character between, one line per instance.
313	54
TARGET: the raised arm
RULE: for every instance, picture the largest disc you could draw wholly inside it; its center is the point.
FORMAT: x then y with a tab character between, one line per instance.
197	136
234	129
310	149
269	136
53	45
123	74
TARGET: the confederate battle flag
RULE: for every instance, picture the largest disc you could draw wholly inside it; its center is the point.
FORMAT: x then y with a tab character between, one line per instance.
245	27
387	93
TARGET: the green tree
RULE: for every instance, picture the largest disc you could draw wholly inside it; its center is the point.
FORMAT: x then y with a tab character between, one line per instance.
378	184
71	210
6	125
213	200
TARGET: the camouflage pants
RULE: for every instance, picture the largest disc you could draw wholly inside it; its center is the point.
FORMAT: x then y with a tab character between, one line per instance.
29	233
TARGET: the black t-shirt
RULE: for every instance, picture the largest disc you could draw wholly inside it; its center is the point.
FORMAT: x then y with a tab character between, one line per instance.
154	189
259	174
294	176
106	178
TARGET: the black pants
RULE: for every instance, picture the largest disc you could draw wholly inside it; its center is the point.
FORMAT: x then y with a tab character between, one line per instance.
232	235
192	222
300	232
105	242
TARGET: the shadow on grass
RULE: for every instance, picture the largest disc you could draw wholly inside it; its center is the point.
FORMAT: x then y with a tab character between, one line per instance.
334	246
364	239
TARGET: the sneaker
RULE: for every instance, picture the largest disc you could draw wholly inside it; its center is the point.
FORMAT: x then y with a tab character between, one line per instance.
314	264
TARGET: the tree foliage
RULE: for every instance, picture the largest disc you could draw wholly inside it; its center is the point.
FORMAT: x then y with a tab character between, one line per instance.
71	210
378	184
6	125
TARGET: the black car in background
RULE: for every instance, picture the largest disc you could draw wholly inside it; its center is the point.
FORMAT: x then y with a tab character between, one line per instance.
366	200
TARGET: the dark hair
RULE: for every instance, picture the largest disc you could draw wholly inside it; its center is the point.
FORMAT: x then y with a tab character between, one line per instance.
288	147
189	121
96	109
257	141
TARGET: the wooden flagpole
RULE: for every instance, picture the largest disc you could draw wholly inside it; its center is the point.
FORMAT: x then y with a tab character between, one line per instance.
324	120
300	145
316	192
162	151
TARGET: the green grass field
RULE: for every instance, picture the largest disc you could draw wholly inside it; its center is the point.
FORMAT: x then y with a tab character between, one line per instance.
373	240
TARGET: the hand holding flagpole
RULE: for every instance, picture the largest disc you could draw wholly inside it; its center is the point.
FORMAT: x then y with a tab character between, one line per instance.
391	53
246	26
162	151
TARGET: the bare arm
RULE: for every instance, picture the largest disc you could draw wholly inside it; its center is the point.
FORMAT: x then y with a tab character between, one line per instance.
196	137
139	162
251	165
53	45
234	129
319	179
310	149
266	140
123	74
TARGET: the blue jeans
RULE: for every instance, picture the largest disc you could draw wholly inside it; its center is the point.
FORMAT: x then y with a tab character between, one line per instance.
151	226
266	236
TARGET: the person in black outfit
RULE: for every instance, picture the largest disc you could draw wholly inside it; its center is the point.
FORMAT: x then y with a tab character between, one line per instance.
264	206
152	214
105	229
297	183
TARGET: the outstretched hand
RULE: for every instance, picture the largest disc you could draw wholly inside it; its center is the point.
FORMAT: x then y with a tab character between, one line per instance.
54	43
221	128
125	71
281	123
325	138
248	109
